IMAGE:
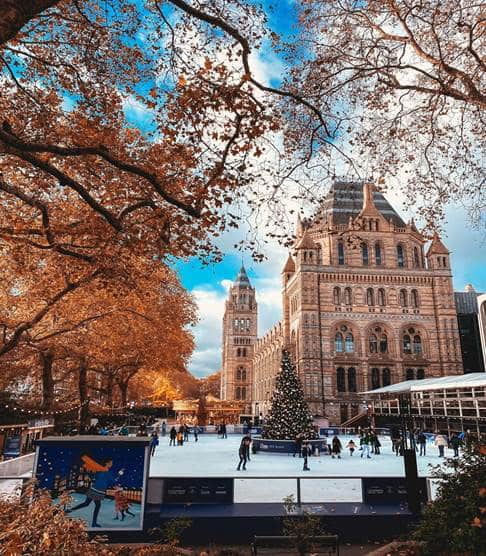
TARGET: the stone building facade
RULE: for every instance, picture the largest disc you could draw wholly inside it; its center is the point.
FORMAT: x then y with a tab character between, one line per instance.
363	306
240	330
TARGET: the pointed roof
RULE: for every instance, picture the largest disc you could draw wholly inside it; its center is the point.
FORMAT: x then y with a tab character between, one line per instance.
242	278
369	207
437	247
289	265
305	242
345	200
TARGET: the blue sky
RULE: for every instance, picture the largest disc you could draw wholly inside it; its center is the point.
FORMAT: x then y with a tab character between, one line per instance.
209	283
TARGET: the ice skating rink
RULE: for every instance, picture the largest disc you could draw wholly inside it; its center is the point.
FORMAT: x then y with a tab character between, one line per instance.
271	477
218	457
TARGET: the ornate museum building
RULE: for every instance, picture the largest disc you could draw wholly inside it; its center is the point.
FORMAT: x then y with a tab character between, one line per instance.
363	307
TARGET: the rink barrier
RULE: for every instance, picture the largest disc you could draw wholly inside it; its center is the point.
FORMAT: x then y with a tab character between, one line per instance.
320	489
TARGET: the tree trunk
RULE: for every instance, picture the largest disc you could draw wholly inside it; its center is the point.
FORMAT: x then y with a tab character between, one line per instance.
83	396
109	389
14	14
123	385
47	359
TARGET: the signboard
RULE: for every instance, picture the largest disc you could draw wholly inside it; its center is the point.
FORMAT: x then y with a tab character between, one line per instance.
41	423
328	431
198	491
285	446
100	480
12	447
389	490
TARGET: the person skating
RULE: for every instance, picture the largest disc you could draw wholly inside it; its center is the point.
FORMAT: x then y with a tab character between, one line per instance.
441	443
298	444
196	433
180	436
396	439
366	445
422	441
351	447
164	428
223	430
248	446
306	452
185	430
336	447
172	436
375	443
154	442
242	452
103	478
455	443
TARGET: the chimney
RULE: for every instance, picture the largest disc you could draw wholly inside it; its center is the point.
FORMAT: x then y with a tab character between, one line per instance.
368	202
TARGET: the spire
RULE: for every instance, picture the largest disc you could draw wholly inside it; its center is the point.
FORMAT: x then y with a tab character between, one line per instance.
369	207
242	278
289	265
437	247
299	228
305	242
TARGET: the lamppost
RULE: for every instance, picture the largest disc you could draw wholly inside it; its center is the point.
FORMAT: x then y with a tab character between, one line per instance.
409	455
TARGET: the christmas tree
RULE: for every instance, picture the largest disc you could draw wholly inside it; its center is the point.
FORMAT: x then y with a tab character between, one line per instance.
290	414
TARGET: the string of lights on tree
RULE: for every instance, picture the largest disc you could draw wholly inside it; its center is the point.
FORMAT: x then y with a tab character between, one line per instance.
290	415
17	409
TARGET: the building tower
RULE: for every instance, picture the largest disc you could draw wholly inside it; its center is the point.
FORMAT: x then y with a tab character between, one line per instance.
239	337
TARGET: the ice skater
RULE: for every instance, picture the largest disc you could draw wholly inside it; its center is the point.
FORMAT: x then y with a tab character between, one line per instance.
366	445
298	444
172	436
122	505
154	442
441	443
242	452
306	452
336	447
422	440
103	479
351	447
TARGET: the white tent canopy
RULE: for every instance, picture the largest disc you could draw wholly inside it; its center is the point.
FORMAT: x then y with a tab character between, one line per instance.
471	380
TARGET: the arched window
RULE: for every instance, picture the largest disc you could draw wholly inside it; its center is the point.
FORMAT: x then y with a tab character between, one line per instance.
336	295
386	377
365	254
340	380
409	374
378	259
420	374
238	393
400	256
340	252
375	378
243	393
338	342
416	258
238	373
370	297
348	296
403	298
407	344
243	352
238	352
373	343
414	298
383	343
352	379
417	344
381	297
243	375
349	342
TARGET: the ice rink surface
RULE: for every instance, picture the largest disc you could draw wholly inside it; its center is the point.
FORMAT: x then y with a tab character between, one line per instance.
218	457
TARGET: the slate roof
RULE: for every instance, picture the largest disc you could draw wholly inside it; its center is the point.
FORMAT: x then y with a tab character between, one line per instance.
345	199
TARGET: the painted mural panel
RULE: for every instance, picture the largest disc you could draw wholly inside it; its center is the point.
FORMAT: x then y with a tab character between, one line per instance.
104	478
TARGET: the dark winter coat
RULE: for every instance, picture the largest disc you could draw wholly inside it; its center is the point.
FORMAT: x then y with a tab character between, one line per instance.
173	433
336	445
421	438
